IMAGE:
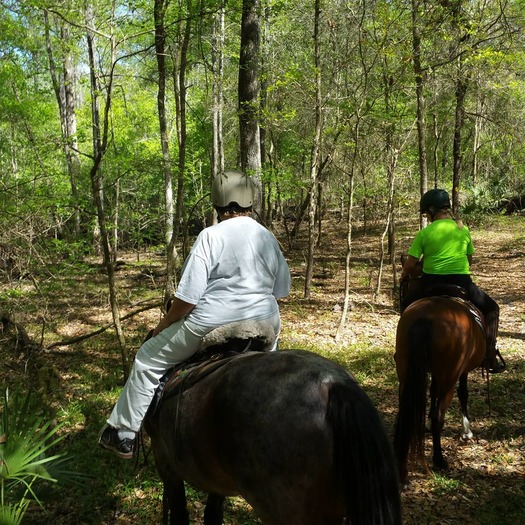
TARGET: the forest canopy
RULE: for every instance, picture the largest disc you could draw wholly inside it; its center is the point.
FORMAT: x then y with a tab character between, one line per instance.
121	112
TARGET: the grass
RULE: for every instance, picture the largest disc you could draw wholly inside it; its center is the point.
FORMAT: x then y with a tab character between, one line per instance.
444	486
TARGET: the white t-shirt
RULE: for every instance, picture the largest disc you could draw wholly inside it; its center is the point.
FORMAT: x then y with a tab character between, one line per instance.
235	271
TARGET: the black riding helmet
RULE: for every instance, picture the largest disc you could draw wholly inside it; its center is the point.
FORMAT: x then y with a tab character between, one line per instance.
434	200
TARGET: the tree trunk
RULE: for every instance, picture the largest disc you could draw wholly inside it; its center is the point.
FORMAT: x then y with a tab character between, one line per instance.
391	162
100	140
217	93
180	56
461	92
159	12
64	87
266	208
315	155
420	100
248	89
436	148
478	122
461	27
348	257
389	223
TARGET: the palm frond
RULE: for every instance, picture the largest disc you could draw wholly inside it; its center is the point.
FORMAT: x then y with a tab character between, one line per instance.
26	439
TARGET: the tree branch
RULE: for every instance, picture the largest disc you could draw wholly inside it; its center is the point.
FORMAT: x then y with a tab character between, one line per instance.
83	337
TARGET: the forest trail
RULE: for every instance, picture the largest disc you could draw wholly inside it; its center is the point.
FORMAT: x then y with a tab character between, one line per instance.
486	483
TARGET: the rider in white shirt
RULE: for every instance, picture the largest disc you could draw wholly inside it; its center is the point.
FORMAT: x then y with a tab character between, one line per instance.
234	272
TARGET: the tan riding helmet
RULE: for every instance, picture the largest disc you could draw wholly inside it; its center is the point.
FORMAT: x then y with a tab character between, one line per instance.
232	186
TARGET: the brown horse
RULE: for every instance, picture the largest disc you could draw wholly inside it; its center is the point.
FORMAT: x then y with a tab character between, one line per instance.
443	337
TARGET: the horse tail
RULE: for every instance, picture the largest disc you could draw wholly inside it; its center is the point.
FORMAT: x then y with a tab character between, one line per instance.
363	457
409	435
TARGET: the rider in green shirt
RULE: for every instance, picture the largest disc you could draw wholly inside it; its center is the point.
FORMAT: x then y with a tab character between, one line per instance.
446	249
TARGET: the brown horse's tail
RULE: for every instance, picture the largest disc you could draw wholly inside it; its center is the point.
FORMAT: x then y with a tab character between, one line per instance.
409	435
363	457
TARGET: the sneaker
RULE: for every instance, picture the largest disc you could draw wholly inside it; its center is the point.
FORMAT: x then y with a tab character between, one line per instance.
123	447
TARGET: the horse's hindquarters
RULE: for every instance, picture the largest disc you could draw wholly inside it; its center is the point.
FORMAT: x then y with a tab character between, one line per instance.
440	336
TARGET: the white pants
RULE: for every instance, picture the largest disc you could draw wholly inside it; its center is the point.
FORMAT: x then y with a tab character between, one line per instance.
170	347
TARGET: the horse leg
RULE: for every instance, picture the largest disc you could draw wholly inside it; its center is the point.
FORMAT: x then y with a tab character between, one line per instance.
214	511
174	503
437	422
463	399
428	424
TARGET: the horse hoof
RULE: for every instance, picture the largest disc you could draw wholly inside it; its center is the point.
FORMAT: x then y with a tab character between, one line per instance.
441	465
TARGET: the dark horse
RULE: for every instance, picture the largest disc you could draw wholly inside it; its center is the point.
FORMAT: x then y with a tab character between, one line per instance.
441	336
290	431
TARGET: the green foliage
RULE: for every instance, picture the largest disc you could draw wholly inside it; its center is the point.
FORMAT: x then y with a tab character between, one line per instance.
489	197
61	250
367	95
479	201
26	458
445	485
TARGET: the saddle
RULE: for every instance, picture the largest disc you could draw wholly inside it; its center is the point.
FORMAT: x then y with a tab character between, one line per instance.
448	290
217	349
456	293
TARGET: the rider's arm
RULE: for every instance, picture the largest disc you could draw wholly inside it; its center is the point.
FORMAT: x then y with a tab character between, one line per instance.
409	265
178	310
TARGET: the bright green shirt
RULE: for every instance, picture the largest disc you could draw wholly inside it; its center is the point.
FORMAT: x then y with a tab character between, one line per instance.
445	248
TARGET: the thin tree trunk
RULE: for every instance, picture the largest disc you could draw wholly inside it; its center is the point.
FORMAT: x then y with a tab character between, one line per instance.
100	141
64	87
116	218
217	93
436	148
391	166
314	166
477	138
179	77
391	161
420	100
159	12
348	257
461	92
305	205
266	208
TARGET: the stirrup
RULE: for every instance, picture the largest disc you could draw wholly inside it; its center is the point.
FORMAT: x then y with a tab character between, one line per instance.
492	364
499	367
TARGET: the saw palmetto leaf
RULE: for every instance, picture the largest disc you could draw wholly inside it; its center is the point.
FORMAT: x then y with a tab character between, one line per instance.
26	442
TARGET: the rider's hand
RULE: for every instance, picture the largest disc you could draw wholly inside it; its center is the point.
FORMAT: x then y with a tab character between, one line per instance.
178	310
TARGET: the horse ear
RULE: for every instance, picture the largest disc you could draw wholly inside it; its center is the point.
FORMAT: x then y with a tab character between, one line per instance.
403	258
